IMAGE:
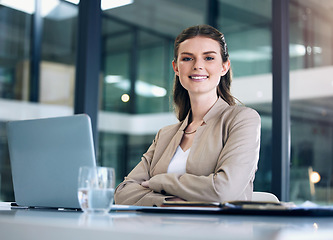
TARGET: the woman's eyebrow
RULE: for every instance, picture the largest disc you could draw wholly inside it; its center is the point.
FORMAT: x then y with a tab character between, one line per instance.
205	53
210	52
186	53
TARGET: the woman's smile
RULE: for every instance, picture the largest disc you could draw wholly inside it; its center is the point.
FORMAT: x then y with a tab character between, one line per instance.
198	78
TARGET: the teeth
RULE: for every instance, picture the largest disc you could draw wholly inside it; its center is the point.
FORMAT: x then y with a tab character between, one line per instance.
199	77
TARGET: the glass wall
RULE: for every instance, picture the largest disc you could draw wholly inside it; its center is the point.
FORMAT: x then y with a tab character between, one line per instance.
56	69
117	42
15	29
14	51
311	98
153	86
58	55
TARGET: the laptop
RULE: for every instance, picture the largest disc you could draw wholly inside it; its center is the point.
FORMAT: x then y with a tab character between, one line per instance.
45	156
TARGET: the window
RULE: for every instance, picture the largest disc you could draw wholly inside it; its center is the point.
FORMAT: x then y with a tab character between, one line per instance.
311	97
57	70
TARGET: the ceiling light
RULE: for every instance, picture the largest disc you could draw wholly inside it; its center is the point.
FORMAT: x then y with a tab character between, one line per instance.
28	6
315	177
48	6
141	88
149	90
74	1
113	79
108	4
296	50
125	97
317	50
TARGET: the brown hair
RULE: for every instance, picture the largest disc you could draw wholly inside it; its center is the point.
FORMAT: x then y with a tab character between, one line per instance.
180	95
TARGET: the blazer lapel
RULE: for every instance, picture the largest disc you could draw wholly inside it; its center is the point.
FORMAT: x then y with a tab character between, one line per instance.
163	163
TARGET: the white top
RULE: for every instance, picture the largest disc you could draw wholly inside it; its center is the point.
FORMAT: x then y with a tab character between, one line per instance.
178	161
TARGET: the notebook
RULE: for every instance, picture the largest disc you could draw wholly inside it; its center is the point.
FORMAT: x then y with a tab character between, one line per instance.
46	155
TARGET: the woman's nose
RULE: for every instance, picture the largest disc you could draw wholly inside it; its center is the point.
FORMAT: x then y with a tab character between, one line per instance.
198	65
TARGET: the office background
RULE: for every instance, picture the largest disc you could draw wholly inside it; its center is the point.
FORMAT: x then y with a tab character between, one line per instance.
39	60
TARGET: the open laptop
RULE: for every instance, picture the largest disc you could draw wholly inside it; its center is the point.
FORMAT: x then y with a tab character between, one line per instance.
46	155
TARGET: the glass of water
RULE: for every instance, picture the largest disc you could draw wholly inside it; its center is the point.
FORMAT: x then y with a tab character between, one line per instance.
96	189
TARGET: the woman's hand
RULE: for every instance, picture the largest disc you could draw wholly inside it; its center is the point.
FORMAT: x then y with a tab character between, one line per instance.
145	184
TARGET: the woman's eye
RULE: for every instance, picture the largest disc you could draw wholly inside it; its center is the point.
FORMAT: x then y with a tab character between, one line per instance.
209	58
187	59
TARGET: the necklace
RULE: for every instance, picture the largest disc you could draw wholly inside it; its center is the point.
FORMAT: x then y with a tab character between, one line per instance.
190	132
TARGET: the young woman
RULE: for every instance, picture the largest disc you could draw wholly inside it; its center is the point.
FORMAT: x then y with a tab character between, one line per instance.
212	153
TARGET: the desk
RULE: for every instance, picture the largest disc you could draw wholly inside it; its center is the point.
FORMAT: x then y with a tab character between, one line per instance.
32	224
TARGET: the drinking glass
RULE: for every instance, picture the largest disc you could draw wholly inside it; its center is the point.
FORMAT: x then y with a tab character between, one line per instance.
96	189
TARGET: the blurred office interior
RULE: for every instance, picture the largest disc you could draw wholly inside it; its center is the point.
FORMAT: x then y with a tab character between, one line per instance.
136	77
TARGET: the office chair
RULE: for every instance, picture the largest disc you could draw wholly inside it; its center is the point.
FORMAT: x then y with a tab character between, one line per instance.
264	197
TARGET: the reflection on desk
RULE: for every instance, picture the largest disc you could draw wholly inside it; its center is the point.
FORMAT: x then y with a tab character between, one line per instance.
50	224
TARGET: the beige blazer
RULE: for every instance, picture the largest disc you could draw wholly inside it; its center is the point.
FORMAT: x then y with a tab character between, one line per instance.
220	167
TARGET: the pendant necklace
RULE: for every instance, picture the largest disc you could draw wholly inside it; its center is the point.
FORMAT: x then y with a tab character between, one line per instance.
190	132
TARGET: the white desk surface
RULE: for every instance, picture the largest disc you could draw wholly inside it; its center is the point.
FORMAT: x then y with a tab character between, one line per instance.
35	224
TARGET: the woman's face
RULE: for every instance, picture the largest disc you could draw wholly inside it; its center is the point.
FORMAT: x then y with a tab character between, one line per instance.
199	65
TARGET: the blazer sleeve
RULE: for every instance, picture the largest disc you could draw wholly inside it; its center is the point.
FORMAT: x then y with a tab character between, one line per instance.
130	191
235	168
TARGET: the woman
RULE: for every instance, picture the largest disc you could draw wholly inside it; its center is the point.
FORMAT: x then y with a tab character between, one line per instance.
212	153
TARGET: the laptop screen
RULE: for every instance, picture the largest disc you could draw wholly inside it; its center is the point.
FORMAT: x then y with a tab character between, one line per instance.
46	155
